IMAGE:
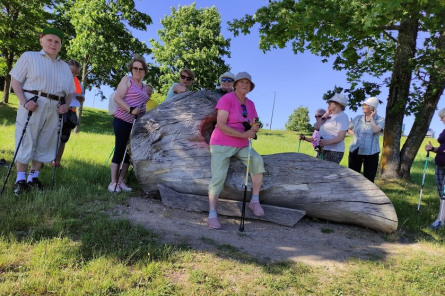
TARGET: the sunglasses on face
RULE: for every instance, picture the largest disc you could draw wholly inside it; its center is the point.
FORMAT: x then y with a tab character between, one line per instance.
224	79
186	77
244	110
318	116
138	69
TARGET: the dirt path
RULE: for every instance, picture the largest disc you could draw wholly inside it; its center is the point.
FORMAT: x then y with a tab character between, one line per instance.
314	243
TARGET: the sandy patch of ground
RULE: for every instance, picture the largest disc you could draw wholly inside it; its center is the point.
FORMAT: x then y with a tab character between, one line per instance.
316	243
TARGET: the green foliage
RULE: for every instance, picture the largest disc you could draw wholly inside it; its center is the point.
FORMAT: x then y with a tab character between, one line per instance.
191	38
20	25
299	121
101	38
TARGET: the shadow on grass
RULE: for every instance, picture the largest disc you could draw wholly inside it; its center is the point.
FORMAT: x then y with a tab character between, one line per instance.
79	208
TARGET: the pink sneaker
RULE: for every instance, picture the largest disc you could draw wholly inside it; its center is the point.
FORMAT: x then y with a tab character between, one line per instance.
256	208
124	187
213	223
112	186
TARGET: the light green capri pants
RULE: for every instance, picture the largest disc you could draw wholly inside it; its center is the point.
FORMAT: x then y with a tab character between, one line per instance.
221	160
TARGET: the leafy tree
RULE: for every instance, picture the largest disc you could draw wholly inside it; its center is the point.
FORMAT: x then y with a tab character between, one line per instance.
299	121
401	43
101	38
20	25
191	39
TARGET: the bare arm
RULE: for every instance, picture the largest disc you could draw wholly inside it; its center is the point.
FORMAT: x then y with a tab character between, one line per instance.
178	88
375	128
121	91
18	90
221	121
340	137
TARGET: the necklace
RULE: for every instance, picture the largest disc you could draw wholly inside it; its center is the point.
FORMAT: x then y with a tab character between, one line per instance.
241	101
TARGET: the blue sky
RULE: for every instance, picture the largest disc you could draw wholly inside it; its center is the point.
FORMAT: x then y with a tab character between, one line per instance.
294	80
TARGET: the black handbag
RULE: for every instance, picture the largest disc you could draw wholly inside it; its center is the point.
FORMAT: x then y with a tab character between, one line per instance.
70	119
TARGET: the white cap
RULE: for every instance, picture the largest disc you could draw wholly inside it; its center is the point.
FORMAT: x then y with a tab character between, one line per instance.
339	98
372	101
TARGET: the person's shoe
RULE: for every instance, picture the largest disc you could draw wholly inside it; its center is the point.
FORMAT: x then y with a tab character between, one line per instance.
124	187
256	208
213	223
436	225
35	183
112	186
20	187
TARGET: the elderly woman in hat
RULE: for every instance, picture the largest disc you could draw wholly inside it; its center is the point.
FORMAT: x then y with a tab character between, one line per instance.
230	138
333	126
226	81
364	149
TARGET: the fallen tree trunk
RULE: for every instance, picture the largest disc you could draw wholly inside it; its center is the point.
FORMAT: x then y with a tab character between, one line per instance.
169	146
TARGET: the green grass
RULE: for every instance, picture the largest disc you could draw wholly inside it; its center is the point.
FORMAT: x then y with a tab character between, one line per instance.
63	242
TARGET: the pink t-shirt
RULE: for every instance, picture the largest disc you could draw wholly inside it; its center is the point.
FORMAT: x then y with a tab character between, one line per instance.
230	103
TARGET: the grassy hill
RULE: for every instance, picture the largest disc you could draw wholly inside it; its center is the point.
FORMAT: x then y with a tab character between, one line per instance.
63	242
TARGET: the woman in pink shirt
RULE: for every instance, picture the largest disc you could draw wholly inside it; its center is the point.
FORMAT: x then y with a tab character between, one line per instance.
230	138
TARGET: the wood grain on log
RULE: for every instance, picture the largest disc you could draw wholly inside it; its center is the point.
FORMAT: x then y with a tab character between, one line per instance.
170	147
231	208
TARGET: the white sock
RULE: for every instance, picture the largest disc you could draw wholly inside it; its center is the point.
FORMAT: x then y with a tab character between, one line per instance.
20	176
213	214
32	174
255	198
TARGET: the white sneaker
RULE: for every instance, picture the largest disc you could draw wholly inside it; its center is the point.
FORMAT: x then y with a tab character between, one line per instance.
124	187
112	186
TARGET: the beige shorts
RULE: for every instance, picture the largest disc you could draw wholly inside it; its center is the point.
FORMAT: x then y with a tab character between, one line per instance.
220	163
40	138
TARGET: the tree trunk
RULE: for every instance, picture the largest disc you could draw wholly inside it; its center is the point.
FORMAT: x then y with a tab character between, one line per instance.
398	98
423	118
9	61
169	146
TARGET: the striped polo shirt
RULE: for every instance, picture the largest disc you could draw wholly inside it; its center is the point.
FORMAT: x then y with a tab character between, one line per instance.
135	97
35	70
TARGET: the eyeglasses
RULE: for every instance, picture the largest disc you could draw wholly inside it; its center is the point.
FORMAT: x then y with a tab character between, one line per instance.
224	79
138	69
187	77
318	116
244	110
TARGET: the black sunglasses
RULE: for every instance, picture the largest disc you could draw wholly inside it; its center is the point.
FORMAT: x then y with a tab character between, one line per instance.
318	116
244	110
224	79
187	77
138	69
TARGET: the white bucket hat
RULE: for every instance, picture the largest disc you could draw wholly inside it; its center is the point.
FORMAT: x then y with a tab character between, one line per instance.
242	75
228	75
339	98
372	101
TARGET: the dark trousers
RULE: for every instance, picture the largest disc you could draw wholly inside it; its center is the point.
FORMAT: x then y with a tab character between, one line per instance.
122	130
370	164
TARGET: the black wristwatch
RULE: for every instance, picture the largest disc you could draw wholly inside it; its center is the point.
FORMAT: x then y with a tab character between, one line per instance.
131	110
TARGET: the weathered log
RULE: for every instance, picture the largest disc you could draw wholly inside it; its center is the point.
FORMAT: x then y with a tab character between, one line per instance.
170	147
231	208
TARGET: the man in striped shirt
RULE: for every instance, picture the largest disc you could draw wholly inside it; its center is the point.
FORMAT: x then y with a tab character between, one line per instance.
45	75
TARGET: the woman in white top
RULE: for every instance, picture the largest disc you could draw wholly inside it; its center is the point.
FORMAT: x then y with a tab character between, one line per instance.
333	126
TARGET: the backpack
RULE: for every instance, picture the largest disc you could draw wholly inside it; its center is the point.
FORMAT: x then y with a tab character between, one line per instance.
112	105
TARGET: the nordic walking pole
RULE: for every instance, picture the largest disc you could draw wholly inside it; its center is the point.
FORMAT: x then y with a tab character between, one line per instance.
106	162
125	154
321	150
423	180
243	211
299	142
59	128
18	146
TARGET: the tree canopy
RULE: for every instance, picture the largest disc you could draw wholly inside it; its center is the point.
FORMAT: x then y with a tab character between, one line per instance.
299	121
400	43
20	25
191	38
